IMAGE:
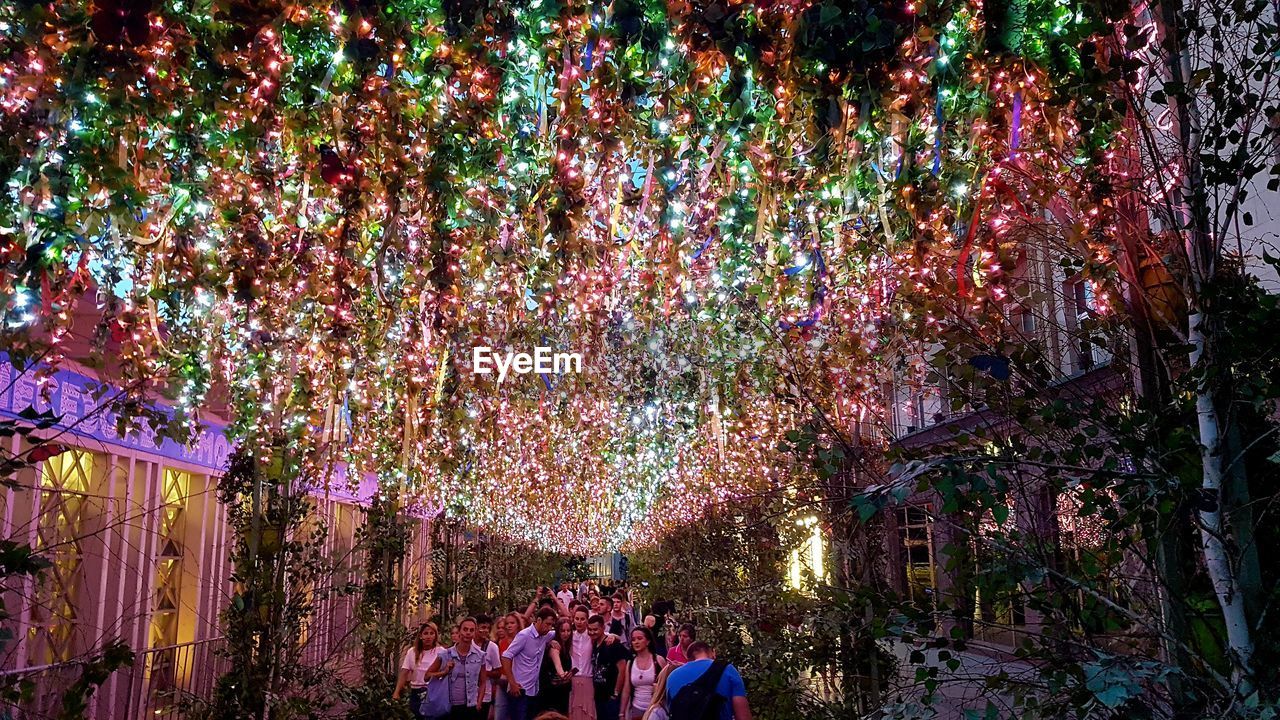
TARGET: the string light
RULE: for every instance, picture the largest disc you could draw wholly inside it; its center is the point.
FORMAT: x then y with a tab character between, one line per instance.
323	212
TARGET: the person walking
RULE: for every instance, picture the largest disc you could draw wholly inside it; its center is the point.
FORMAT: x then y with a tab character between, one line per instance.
512	623
641	675
565	595
679	653
659	636
620	621
522	664
557	669
466	661
419	666
492	661
582	693
608	663
706	689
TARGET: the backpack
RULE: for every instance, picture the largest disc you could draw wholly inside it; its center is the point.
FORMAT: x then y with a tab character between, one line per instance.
699	700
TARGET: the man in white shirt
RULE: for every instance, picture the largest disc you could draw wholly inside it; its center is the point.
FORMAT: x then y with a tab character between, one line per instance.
522	662
492	661
565	594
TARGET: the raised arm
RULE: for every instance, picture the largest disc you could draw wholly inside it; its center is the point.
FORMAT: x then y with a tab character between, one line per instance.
561	608
554	649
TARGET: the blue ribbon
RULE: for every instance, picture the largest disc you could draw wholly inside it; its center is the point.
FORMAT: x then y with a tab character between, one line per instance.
698	253
1015	132
819	291
937	135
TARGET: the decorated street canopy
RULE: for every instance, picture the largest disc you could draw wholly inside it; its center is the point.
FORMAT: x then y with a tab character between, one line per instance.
313	212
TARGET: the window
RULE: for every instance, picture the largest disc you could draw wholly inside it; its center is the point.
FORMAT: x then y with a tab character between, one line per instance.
65	481
997	610
915	547
1083	297
1084	307
1082	533
807	566
1022	320
174	491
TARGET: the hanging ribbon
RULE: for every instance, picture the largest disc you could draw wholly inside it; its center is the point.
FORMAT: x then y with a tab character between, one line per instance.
966	250
819	295
545	380
444	361
937	134
710	236
589	53
1015	129
797	269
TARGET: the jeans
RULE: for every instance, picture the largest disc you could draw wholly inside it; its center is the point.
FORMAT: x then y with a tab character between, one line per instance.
501	704
416	696
520	707
608	708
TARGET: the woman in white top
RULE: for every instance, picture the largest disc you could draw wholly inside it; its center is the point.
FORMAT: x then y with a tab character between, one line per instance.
417	661
642	675
658	708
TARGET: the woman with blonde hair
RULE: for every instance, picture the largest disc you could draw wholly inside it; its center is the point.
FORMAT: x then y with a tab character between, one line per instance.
658	708
415	668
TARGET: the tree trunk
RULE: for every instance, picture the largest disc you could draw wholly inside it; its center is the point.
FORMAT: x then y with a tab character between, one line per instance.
1213	530
1202	254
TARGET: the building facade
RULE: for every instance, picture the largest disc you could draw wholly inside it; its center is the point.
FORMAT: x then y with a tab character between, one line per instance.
138	547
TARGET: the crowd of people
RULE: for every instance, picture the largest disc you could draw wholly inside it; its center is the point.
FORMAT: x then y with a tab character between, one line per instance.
575	654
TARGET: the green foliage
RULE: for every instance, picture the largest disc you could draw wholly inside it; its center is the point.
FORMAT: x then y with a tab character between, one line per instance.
728	576
1071	498
487	574
574	569
384	540
276	562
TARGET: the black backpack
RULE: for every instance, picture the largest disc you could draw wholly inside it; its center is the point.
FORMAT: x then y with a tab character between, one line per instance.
699	700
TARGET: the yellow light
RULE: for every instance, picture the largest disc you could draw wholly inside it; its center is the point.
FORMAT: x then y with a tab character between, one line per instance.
815	552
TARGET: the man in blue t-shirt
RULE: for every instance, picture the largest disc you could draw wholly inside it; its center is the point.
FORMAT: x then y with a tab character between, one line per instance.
730	687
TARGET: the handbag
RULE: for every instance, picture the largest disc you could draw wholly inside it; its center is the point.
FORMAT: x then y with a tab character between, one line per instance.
435	700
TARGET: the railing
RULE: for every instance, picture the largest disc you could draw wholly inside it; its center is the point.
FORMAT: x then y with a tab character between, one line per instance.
153	688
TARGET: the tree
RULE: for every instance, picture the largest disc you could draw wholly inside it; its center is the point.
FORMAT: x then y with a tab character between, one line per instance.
1155	253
